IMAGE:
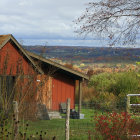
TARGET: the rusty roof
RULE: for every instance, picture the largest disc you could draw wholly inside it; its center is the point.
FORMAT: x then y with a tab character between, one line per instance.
4	38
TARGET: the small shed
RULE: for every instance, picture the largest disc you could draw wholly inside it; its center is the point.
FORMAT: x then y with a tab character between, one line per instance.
63	81
55	82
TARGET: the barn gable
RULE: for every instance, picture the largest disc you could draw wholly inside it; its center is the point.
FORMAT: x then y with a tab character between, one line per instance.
11	50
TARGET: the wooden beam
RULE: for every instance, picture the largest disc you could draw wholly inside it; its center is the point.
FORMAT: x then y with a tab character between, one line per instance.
80	97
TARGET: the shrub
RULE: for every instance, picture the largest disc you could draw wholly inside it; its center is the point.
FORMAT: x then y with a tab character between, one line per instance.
105	101
114	126
119	84
104	98
102	82
88	94
126	83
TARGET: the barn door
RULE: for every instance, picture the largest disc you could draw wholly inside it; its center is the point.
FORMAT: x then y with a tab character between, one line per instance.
62	88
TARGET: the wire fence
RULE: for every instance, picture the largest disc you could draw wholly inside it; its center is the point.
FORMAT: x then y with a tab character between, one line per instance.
96	121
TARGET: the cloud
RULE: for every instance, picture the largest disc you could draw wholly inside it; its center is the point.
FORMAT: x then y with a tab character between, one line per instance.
39	18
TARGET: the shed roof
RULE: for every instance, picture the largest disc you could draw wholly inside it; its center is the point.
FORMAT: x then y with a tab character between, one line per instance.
59	66
3	39
6	38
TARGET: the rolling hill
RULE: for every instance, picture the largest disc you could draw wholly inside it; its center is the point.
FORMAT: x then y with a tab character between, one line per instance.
87	54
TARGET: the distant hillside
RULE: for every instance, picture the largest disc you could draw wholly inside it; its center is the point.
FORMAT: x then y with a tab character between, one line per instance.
88	54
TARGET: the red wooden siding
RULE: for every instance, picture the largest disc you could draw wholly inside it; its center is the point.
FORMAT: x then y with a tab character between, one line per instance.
62	89
12	62
15	61
25	88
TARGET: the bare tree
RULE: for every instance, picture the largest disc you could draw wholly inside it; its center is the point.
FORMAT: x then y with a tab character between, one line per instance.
117	20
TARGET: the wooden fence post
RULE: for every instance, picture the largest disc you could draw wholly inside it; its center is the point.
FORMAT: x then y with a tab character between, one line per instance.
128	104
16	121
67	120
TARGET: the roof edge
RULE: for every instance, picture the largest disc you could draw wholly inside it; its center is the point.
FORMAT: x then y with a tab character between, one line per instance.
7	39
82	75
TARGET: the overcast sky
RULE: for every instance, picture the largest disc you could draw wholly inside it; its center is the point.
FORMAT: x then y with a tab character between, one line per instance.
44	22
41	21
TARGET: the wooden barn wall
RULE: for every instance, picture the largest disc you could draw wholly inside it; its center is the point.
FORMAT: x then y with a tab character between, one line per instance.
44	90
25	88
13	62
63	87
20	87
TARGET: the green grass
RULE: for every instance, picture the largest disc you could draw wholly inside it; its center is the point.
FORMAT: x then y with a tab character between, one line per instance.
79	128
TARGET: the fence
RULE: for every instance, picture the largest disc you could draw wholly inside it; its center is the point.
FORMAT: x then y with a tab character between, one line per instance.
97	121
131	106
135	108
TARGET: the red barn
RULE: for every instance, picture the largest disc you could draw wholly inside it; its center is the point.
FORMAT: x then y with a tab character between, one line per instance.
55	82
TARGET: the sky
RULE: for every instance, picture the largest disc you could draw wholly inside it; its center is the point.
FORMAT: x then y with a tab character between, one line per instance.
43	22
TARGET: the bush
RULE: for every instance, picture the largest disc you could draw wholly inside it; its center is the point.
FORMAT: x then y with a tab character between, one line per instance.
112	88
88	94
105	101
114	126
126	83
102	82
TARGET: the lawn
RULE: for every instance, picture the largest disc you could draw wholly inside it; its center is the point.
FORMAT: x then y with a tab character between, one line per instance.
80	129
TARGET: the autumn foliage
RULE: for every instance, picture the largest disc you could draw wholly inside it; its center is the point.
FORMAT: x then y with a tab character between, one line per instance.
115	126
